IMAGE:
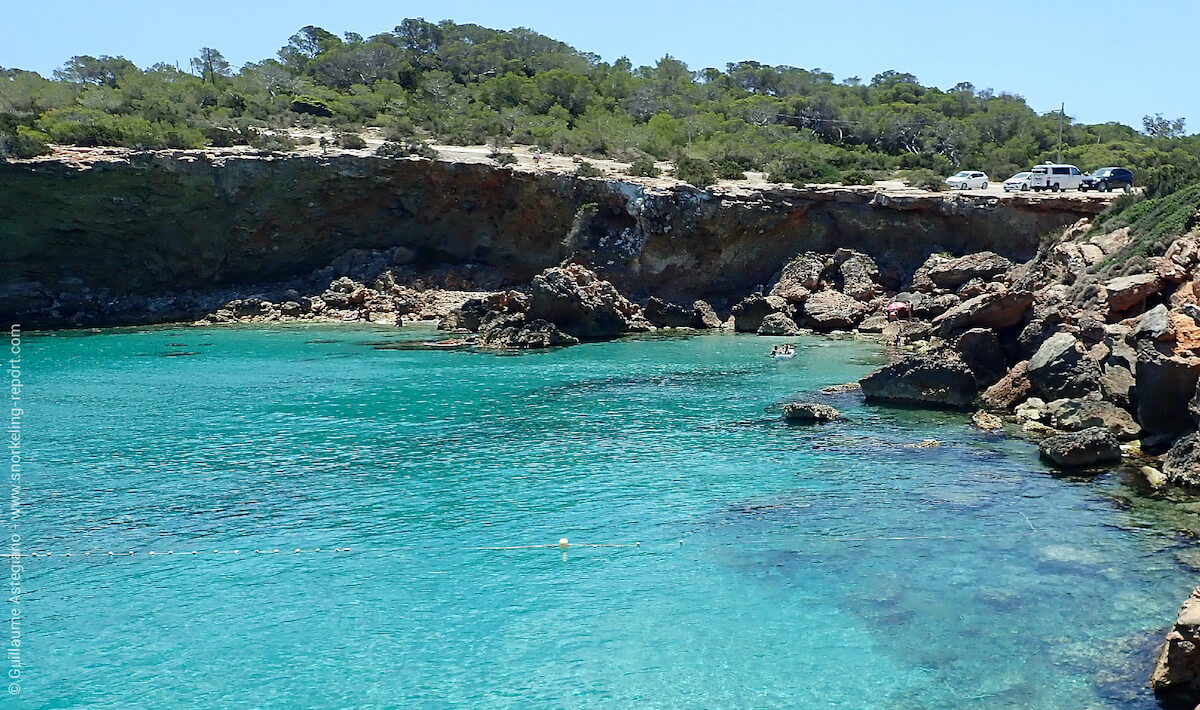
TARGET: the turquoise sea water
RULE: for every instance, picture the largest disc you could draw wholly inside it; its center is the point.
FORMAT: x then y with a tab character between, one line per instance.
829	567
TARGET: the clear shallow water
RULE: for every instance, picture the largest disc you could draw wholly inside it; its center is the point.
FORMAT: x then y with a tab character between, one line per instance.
765	576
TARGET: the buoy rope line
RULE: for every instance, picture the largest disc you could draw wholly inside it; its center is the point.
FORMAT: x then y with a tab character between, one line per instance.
563	544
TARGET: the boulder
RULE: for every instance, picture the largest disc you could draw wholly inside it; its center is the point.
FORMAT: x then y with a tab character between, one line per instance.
933	306
1081	449
1011	389
952	273
996	310
1059	369
987	421
800	277
831	310
975	287
517	330
859	274
908	331
1155	324
749	313
1176	674
1165	386
1032	409
807	413
1182	466
472	312
980	349
664	314
291	309
1034	333
1079	414
936	379
1125	292
778	324
920	278
581	304
249	307
1117	386
703	316
873	324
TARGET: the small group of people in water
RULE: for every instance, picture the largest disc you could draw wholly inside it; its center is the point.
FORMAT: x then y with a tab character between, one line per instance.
785	350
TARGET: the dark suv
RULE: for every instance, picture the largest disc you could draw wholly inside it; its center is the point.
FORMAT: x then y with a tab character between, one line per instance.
1106	179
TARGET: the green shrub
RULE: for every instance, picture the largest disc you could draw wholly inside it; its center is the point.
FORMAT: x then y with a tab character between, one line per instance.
25	143
586	169
801	169
694	171
644	167
503	157
728	170
924	179
350	141
311	105
91	127
280	142
404	149
305	140
857	177
399	129
221	137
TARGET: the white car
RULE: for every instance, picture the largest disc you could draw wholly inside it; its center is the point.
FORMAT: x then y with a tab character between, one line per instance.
968	180
1020	181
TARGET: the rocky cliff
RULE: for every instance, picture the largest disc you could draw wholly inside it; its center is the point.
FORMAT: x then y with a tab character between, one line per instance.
149	231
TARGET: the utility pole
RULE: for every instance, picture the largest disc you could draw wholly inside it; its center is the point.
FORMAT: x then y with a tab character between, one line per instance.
1062	112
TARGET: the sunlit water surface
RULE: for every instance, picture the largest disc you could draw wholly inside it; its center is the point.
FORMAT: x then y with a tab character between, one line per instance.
827	567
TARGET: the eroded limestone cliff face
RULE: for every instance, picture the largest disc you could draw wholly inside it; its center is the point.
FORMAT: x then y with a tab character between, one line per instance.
153	226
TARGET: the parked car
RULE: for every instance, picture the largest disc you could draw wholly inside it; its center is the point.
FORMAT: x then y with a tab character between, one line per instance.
1106	179
1020	181
1055	177
968	180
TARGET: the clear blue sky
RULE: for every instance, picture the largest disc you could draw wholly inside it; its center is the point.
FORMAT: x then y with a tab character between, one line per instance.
1109	60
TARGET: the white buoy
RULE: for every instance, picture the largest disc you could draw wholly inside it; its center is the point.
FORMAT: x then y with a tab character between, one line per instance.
562	543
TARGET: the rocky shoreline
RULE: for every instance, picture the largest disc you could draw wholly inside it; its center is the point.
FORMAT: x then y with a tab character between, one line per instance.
1031	312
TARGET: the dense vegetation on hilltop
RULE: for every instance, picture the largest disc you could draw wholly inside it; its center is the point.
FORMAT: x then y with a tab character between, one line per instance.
467	84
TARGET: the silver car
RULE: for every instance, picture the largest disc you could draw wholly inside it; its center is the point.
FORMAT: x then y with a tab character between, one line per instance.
968	180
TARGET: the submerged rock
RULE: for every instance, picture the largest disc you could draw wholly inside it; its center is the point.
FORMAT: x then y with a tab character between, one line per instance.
939	379
1082	449
808	413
